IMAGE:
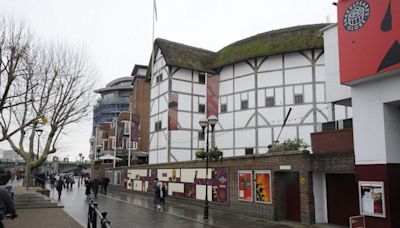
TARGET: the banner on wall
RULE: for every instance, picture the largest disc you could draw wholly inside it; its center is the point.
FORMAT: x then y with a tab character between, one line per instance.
173	111
263	186
120	134
245	185
212	94
135	121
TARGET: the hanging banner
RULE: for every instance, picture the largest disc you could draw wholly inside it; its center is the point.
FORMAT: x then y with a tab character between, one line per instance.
120	134
245	185
212	94
135	121
263	186
369	36
173	111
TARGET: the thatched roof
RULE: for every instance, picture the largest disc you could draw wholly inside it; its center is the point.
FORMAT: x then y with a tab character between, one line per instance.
185	56
271	43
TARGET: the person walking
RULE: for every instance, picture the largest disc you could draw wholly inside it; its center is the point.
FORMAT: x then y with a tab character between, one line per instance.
106	181
163	193
88	185
157	194
95	187
60	186
7	207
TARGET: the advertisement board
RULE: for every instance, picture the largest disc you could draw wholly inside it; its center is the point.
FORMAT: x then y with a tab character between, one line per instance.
372	198
245	182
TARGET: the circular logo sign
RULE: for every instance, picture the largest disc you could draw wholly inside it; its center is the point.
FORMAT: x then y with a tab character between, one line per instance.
356	16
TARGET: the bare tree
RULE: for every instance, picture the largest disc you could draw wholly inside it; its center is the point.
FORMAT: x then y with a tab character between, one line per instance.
55	92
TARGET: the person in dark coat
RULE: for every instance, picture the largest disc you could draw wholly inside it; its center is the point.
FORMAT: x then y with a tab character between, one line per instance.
60	186
88	185
7	207
164	193
106	181
95	186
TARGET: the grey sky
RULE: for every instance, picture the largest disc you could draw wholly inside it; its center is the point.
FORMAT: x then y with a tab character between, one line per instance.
117	34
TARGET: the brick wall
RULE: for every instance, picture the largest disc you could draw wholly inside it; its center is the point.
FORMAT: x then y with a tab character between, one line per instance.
302	163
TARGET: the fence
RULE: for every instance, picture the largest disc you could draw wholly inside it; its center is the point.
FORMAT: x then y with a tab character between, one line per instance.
94	213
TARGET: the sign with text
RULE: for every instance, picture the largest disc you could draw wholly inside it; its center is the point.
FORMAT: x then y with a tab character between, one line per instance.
357	221
369	36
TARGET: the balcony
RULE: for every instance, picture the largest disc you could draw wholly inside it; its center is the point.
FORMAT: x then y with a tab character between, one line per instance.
336	137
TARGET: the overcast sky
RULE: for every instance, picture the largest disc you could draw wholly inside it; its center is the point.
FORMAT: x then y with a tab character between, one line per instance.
117	34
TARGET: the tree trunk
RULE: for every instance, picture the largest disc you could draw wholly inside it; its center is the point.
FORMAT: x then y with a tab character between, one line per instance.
27	175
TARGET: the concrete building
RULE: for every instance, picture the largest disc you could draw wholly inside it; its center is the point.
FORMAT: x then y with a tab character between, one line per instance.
251	85
9	155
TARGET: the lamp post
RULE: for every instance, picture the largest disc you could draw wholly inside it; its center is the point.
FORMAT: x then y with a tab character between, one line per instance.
205	123
39	131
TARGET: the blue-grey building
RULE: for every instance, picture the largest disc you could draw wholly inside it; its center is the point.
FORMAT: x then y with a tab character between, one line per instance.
114	99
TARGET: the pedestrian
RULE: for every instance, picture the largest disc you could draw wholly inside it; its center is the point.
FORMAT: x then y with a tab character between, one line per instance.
95	187
7	207
71	180
88	185
106	181
157	194
60	186
163	192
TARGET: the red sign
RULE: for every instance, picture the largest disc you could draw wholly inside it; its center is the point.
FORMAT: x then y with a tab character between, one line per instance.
357	222
245	185
369	38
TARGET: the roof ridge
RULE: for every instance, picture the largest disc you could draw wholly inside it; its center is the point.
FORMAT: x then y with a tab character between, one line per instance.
184	45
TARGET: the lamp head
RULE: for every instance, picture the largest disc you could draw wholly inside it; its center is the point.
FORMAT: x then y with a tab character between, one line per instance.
203	123
212	120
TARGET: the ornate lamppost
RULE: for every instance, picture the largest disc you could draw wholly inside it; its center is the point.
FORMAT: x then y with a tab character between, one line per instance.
205	123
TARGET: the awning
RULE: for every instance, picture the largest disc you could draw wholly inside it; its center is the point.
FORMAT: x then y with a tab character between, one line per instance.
109	157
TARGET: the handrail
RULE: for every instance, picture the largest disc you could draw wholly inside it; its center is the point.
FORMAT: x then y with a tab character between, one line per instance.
93	213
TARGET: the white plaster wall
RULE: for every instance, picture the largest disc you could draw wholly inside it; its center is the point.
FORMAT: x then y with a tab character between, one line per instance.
183	74
289	132
320	92
242	117
244	83
224	139
271	63
320	73
227	153
295	60
163	102
154	92
196	118
279	96
245	138
181	86
226	120
298	112
181	155
272	114
152	157
226	73
164	86
319	189
154	107
225	87
242	68
267	79
334	90
299	75
368	121
308	93
264	136
199	89
231	103
180	138
184	102
305	133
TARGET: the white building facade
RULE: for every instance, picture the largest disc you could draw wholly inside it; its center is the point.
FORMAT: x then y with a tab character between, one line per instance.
257	87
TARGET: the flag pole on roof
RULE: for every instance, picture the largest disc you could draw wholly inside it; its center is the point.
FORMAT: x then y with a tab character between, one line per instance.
152	39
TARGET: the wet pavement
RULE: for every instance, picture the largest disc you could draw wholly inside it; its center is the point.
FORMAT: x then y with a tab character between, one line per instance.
134	210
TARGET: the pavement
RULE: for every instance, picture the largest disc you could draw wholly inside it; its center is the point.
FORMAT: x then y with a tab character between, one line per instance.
136	210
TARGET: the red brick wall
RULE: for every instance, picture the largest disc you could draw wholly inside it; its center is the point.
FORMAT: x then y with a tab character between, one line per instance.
332	141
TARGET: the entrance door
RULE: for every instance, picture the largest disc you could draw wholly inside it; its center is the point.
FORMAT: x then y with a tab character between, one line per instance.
292	196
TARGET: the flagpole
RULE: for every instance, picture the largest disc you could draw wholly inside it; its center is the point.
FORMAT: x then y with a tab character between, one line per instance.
152	61
130	138
115	147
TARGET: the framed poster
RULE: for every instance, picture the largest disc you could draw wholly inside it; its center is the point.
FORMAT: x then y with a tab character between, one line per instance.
263	186
245	182
357	221
372	198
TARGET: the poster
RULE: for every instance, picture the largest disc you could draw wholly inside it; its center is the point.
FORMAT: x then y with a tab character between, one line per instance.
245	185
357	221
372	198
263	186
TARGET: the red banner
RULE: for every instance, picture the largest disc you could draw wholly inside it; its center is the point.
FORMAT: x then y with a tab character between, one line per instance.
369	36
173	111
212	95
120	134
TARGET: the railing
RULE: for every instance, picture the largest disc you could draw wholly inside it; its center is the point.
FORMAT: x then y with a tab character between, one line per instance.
94	213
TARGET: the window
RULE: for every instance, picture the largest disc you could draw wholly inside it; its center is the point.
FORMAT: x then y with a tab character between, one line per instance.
298	99
244	105
224	108
249	151
202	108
270	101
159	78
202	78
201	136
157	126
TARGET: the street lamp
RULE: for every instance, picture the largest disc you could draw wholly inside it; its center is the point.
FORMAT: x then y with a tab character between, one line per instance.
98	148
205	123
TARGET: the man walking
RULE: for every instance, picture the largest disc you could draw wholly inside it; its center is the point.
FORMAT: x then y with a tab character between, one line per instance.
60	186
106	180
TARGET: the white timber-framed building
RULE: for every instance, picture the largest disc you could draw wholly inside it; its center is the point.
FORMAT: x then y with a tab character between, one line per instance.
260	79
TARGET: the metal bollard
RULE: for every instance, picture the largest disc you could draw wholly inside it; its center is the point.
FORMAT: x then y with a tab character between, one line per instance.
94	216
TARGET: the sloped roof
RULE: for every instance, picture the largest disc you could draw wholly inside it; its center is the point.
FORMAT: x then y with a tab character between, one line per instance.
184	56
271	43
